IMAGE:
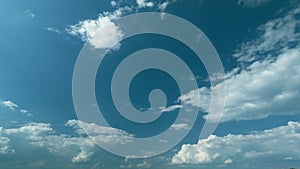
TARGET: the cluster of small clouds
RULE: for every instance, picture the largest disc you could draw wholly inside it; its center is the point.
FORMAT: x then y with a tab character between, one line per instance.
4	144
270	84
14	107
252	3
110	35
279	143
144	164
53	30
276	36
144	3
29	13
78	148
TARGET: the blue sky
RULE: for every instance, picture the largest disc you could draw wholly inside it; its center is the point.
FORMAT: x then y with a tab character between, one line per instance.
257	42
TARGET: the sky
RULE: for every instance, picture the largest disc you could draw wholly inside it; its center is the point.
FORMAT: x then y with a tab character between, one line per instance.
44	125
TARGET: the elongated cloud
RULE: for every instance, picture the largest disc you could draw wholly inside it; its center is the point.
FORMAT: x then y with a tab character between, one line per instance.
268	81
9	104
77	148
278	143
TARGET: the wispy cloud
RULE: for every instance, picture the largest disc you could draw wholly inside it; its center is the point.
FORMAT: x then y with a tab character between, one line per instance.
9	104
102	133
274	37
29	13
51	29
170	108
252	3
259	88
180	126
14	107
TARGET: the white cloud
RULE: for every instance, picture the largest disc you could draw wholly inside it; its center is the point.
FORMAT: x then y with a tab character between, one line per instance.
5	148
275	143
288	158
170	108
262	90
101	133
269	86
101	32
144	3
163	6
252	3
24	111
31	131
228	161
50	29
79	149
198	98
144	164
14	107
110	35
113	3
29	13
275	36
83	156
9	104
180	126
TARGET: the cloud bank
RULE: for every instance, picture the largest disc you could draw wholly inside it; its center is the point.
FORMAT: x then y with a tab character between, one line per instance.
78	148
281	143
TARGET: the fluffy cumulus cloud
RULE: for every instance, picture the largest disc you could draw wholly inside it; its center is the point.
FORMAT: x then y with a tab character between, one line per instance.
79	149
144	3
279	143
268	80
102	32
31	131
